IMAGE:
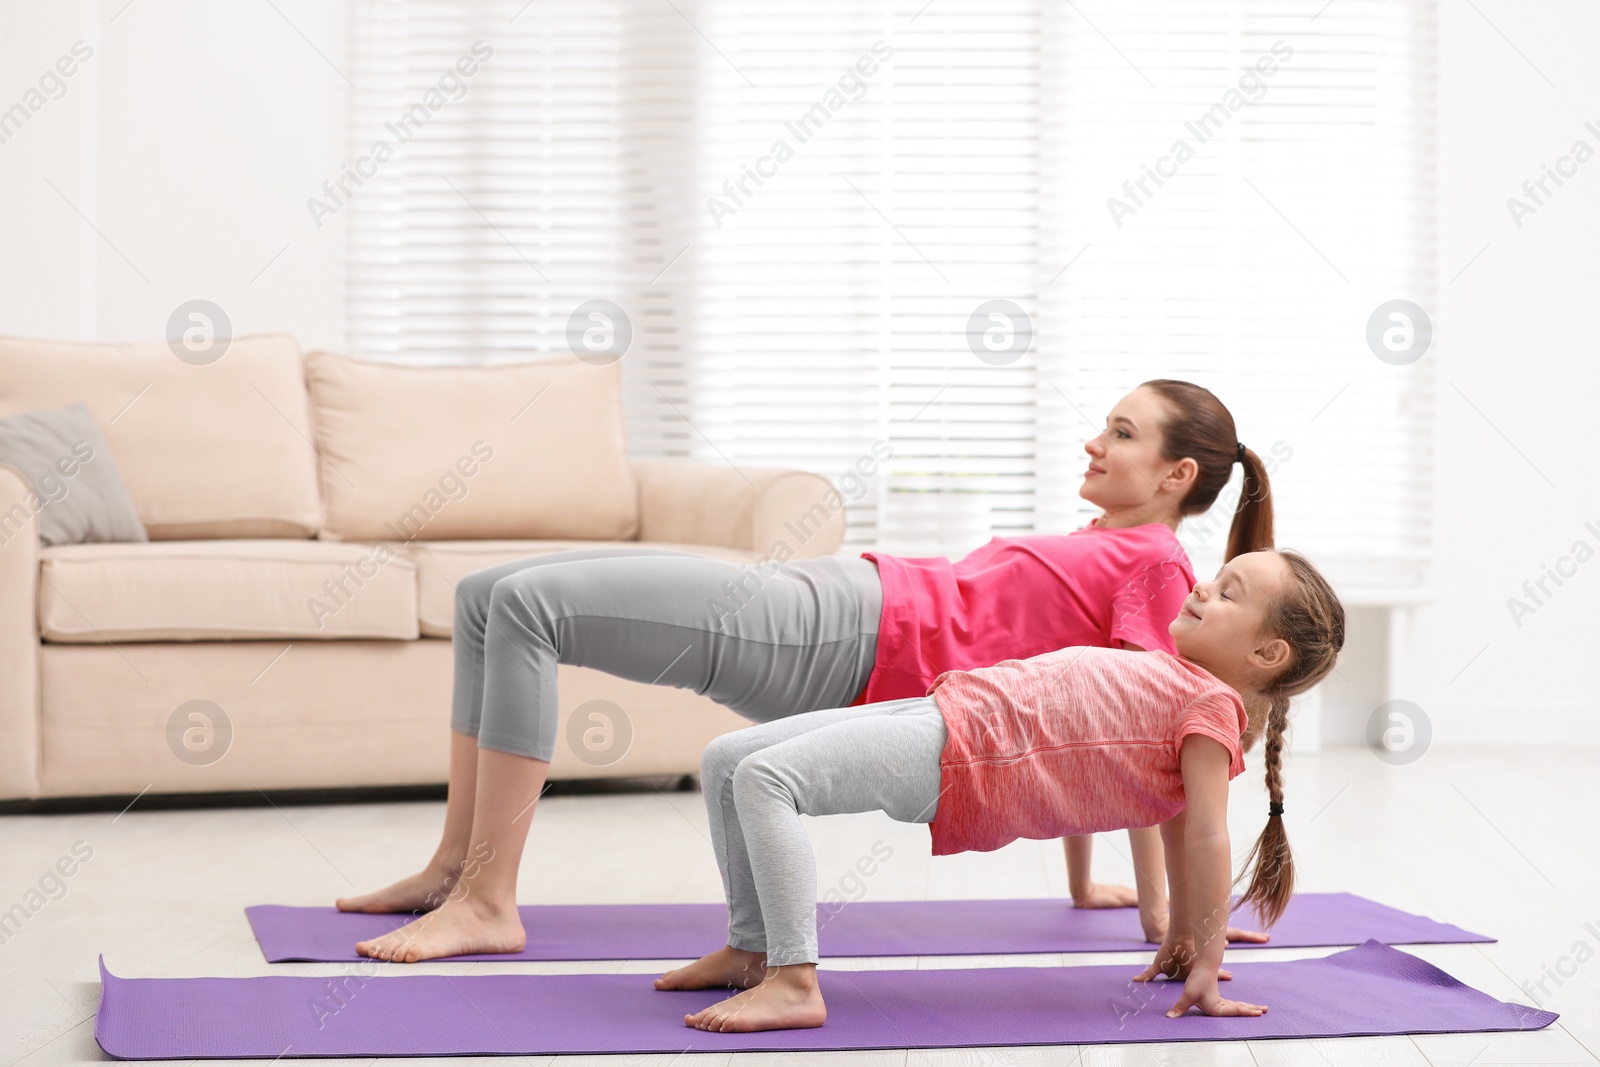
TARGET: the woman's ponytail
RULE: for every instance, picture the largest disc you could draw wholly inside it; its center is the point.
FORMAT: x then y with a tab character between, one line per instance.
1199	427
1252	516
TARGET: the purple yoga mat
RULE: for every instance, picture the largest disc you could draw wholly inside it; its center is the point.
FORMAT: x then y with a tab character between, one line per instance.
865	928
1368	990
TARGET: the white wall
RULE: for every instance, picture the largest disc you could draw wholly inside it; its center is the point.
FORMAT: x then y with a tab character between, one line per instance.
1518	337
190	140
196	132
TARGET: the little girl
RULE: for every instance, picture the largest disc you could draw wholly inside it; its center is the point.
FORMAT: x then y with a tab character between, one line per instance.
1075	741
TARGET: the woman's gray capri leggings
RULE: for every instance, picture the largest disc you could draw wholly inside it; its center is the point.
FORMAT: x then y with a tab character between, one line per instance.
764	639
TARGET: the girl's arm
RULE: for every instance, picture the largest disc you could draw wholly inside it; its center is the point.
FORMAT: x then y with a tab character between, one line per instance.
1177	952
1207	876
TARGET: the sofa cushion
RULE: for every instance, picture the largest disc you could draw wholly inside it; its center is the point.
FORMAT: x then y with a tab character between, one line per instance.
210	590
207	451
442	564
329	714
78	493
525	450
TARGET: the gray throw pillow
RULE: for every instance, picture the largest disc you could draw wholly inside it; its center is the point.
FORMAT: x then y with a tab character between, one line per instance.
77	492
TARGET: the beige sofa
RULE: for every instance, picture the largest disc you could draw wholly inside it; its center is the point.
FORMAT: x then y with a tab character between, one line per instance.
309	516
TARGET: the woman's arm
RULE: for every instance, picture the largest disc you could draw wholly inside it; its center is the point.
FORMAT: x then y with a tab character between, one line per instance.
1086	892
1150	876
1147	874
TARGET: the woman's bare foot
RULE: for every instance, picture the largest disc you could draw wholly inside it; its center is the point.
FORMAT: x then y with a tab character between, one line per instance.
788	1000
462	926
420	892
724	967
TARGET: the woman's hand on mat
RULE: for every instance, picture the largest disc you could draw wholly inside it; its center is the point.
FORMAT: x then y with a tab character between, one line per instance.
1173	960
1106	896
1201	991
1255	937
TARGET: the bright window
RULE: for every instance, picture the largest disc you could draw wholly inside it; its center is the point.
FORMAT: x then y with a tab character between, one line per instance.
799	208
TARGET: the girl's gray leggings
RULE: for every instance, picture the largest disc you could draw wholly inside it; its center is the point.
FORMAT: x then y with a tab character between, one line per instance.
767	640
758	782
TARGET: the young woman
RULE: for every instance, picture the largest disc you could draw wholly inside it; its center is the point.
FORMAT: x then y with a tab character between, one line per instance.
1070	742
821	633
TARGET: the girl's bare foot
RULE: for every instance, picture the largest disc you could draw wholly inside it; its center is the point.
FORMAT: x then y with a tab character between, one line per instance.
462	926
420	892
724	967
788	1000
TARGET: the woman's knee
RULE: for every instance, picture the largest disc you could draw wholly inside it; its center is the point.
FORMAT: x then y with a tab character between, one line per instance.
472	592
529	597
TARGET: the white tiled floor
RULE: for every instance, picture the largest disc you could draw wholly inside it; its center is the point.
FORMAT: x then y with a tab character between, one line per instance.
1490	840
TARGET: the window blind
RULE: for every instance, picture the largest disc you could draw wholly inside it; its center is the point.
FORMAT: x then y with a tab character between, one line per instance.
808	213
1255	268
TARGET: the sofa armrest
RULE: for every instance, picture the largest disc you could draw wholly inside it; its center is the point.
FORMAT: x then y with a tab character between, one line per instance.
19	638
778	514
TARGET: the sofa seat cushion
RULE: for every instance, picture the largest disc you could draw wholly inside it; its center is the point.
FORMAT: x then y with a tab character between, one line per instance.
442	564
213	590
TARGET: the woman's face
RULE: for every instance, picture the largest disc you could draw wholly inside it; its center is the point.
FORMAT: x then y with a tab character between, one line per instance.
1126	468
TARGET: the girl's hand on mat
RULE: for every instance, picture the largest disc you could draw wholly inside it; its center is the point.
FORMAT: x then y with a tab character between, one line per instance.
1255	937
1173	960
1201	991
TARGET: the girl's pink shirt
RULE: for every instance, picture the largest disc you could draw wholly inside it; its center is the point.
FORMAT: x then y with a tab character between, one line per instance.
1018	597
1072	742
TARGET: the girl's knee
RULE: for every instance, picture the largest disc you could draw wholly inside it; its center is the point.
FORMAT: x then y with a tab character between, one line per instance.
718	761
758	773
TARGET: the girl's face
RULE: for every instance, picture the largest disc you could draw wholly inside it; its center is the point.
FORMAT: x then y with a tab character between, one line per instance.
1223	623
1126	469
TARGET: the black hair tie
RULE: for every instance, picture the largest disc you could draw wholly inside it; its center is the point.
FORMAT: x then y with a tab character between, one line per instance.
1241	452
1274	810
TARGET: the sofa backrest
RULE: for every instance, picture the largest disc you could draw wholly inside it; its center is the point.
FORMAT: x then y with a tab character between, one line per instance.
216	450
520	450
